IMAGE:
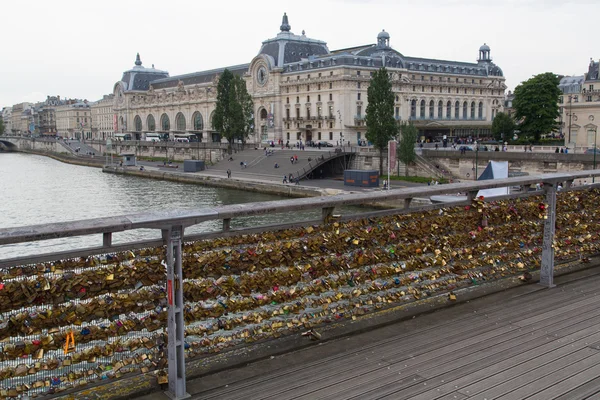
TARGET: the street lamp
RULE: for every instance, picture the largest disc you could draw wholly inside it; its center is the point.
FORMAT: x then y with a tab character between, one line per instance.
595	135
476	158
341	133
570	115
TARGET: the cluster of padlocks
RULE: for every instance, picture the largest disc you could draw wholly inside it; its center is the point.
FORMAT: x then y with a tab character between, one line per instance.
71	322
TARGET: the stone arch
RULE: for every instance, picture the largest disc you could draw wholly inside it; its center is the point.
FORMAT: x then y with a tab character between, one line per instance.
165	123
211	120
137	123
180	122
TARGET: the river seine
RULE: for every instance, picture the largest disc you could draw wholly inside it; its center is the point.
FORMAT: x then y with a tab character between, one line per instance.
37	190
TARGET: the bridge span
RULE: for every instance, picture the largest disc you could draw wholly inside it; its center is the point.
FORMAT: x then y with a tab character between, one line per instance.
99	317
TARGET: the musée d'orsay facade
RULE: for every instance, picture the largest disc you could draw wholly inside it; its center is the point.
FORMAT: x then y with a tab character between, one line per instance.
304	91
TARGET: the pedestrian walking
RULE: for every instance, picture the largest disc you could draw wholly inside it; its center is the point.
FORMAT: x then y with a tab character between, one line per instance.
285	181
228	173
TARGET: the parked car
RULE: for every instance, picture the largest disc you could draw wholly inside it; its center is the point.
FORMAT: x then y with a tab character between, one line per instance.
466	148
324	144
592	151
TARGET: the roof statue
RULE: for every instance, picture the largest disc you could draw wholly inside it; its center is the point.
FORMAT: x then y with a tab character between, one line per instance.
138	62
285	26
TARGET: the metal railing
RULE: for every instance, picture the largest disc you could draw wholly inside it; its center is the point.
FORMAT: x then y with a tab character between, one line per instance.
129	279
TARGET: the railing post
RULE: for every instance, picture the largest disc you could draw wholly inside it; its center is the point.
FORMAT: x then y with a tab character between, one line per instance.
175	323
547	269
407	203
226	224
472	194
107	239
326	214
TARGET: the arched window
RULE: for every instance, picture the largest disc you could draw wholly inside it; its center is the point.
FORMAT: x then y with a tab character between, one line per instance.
137	121
422	109
465	110
165	124
472	110
150	123
263	114
180	122
449	110
211	120
431	109
413	108
197	121
480	112
440	109
456	110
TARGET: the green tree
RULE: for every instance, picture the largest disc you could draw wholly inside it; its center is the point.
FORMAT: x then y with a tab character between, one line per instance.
381	125
233	117
406	146
503	126
2	128
536	105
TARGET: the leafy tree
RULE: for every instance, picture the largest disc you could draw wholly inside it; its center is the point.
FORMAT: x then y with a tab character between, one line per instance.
233	112
2	128
406	147
503	125
244	109
381	125
536	105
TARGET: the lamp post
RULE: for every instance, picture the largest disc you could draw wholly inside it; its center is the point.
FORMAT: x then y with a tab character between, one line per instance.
341	133
595	135
476	158
570	114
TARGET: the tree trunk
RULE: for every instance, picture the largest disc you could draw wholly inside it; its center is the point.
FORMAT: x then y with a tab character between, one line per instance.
405	169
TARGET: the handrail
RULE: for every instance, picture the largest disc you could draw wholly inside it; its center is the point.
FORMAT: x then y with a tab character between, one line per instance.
158	220
320	161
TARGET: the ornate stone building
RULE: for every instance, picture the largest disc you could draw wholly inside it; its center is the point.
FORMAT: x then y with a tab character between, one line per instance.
580	108
102	118
74	120
303	91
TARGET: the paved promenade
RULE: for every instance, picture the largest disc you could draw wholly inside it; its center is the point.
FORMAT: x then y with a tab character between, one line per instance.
524	343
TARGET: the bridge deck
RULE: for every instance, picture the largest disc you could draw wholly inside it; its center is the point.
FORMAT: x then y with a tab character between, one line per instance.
526	343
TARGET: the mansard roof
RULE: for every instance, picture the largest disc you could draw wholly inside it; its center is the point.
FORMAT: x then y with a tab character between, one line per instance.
198	77
288	48
139	77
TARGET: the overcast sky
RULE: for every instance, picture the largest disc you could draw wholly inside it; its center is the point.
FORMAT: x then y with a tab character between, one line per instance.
79	49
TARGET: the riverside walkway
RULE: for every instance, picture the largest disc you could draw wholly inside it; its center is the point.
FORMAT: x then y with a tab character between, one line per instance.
523	343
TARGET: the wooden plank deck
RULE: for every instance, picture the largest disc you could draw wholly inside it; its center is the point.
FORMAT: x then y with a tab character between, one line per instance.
526	343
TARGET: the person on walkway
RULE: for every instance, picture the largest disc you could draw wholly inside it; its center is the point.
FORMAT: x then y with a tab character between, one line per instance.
228	173
285	181
292	159
276	165
241	164
291	177
295	159
245	165
297	180
557	150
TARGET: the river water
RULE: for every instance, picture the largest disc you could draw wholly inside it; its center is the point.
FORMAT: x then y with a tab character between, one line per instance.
36	190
